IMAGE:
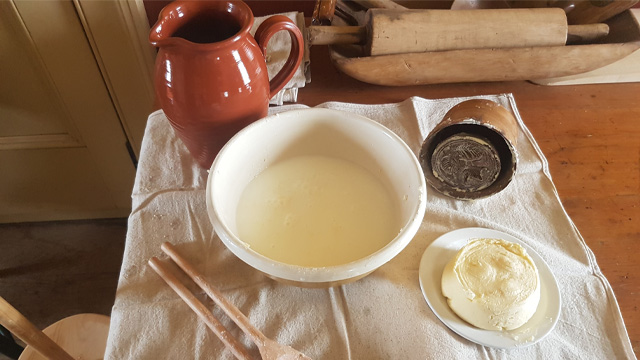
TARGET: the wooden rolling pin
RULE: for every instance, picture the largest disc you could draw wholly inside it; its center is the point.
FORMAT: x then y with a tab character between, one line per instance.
389	31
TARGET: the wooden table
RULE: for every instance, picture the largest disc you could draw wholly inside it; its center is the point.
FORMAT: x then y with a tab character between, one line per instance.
590	135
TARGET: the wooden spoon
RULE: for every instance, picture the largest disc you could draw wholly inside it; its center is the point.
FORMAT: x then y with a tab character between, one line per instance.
269	349
201	310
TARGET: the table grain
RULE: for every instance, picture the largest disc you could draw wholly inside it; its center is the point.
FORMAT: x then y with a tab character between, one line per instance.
590	134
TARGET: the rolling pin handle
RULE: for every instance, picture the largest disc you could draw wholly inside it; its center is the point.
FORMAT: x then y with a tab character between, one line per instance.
578	34
331	35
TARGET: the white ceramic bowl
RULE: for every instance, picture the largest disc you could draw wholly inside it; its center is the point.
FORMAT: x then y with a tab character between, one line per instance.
315	132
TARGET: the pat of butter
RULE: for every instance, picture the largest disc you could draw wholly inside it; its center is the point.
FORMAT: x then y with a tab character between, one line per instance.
492	284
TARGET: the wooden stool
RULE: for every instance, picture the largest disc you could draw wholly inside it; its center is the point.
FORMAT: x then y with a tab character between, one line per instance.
83	336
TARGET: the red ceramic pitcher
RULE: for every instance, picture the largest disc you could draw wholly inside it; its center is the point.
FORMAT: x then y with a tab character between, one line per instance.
211	77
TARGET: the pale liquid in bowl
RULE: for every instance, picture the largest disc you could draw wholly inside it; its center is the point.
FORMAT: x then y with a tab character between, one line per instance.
316	211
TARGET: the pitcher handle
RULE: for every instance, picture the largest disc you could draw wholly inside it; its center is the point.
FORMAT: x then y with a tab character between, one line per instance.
267	29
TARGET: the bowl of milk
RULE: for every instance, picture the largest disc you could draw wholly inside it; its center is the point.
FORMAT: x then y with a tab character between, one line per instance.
316	197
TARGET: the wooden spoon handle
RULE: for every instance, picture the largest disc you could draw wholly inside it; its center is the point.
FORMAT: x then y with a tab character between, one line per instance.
234	313
198	307
15	322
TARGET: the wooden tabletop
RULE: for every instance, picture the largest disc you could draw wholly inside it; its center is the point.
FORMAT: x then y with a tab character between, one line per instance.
590	134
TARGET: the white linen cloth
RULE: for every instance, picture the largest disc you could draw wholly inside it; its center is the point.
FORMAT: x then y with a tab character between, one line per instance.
384	315
278	49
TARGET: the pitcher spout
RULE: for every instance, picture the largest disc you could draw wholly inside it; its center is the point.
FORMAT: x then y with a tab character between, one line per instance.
171	18
156	35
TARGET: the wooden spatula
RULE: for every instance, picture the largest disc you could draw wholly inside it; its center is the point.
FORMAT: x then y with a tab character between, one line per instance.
269	349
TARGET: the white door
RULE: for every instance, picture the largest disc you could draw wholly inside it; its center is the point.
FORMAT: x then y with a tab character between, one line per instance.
63	151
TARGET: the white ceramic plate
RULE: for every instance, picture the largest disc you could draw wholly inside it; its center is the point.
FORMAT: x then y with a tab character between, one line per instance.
438	254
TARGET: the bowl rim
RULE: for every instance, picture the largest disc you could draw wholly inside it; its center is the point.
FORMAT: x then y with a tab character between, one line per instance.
297	273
